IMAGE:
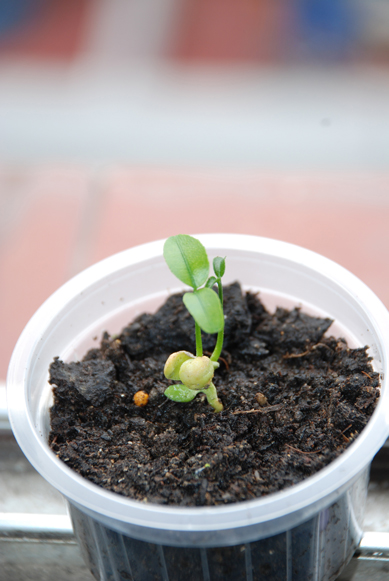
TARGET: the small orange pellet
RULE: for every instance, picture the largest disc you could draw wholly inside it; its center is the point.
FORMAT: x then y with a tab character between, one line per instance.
141	398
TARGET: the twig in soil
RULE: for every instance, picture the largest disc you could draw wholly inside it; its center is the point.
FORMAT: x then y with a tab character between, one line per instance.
272	408
295	355
345	438
301	451
170	475
225	363
163	403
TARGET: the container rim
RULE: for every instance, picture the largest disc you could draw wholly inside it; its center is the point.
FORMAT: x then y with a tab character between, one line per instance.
323	485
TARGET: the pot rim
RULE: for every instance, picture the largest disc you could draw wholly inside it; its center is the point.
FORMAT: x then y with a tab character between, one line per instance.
320	488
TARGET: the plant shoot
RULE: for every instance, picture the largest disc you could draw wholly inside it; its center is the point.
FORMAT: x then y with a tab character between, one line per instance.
187	259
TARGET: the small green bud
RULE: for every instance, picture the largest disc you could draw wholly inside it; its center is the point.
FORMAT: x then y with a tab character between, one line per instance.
197	373
174	362
219	266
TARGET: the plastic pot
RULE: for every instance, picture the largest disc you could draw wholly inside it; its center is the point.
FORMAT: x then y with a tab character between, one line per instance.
308	531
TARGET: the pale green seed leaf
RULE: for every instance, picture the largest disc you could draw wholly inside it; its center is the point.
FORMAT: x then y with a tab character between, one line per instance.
197	373
187	259
219	266
174	362
180	393
204	306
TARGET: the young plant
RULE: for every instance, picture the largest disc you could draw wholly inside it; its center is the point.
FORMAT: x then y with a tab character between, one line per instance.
187	259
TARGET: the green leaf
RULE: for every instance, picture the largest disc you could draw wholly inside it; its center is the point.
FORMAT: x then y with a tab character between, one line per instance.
204	306
219	266
211	282
187	259
180	393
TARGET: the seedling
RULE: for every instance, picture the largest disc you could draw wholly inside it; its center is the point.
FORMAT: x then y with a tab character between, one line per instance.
187	259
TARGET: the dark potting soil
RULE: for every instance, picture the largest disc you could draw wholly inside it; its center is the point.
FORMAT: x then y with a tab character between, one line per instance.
294	399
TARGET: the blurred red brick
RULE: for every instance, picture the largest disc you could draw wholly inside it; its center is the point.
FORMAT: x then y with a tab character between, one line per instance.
227	30
36	255
342	217
62	227
54	30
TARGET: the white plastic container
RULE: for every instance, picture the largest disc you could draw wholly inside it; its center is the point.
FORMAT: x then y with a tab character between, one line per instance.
308	531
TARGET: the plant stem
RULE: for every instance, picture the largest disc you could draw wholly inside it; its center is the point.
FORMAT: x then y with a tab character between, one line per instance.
220	291
199	343
212	398
220	336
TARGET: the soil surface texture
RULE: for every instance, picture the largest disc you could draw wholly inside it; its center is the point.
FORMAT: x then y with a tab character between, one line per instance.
294	399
